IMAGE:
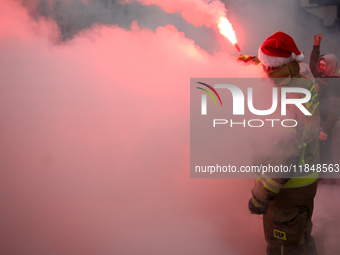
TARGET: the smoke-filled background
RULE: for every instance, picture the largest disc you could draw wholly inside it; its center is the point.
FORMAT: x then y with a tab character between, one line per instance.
94	131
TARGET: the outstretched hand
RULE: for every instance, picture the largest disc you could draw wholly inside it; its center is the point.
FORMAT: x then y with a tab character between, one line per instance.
249	59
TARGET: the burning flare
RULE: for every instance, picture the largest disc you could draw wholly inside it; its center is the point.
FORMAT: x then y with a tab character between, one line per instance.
226	29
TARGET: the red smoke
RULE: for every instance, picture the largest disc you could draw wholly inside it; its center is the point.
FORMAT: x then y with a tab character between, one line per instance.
196	12
94	142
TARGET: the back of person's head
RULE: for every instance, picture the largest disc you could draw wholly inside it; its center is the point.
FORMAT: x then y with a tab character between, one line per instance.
305	71
278	50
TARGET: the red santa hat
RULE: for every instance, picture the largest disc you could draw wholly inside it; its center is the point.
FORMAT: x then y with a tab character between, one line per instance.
279	49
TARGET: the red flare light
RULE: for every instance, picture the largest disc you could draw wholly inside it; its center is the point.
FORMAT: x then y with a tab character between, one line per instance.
226	29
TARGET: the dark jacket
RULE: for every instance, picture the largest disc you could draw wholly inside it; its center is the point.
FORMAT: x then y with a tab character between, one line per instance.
329	88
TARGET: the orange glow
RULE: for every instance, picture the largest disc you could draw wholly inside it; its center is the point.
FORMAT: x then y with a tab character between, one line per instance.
226	29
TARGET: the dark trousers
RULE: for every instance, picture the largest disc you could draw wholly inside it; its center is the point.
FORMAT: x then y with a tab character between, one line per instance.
288	225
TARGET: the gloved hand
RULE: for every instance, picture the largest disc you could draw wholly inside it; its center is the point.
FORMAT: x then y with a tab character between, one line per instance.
257	207
249	59
244	58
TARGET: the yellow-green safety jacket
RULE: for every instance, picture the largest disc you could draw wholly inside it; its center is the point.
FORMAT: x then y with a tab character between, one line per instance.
300	145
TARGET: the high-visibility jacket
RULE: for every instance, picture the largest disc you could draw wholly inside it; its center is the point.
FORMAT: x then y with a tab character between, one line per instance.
300	145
